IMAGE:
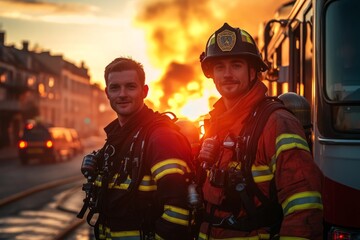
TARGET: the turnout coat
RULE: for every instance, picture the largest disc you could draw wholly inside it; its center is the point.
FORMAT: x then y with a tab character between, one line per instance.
282	157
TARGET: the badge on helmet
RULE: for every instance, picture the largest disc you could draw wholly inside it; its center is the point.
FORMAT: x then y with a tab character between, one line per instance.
229	41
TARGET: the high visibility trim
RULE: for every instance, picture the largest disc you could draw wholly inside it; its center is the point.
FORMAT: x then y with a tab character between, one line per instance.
157	237
123	186
211	40
302	201
288	141
264	236
261	173
106	233
203	236
98	181
169	166
235	165
245	37
147	184
273	164
125	235
176	215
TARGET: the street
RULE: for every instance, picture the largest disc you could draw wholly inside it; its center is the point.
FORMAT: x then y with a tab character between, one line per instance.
42	214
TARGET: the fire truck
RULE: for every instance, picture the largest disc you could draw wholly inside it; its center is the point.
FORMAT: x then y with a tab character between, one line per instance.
312	48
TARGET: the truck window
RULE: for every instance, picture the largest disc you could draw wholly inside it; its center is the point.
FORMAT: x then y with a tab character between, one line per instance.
342	64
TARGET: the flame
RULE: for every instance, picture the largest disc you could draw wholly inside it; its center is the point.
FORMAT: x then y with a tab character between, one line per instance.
176	33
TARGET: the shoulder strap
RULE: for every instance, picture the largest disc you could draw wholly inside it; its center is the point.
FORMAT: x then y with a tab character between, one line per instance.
139	147
250	135
255	125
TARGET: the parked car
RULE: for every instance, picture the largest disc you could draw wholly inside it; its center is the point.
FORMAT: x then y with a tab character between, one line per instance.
76	141
47	144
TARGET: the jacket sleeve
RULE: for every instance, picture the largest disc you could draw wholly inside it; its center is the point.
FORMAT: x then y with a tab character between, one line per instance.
171	155
297	177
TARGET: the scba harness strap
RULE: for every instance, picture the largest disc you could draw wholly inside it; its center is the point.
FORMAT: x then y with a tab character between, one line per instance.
134	152
244	189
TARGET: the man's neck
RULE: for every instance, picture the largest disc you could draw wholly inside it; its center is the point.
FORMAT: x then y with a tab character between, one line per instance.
124	119
229	103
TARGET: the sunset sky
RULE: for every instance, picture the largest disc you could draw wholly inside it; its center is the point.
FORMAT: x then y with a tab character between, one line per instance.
167	36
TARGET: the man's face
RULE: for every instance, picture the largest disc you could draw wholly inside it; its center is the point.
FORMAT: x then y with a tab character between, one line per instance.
125	93
232	77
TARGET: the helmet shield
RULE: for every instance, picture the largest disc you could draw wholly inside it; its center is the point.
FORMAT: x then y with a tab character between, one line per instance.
229	41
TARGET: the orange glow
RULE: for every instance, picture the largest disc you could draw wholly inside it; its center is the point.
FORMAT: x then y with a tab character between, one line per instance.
29	126
22	144
273	88
49	143
285	87
176	34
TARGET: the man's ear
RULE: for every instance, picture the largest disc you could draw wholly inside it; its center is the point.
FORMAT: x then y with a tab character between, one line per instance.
253	74
106	92
145	91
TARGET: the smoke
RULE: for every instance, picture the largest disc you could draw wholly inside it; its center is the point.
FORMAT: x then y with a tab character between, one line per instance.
177	31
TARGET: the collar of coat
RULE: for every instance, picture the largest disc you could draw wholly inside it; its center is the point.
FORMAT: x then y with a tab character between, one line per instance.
114	131
222	118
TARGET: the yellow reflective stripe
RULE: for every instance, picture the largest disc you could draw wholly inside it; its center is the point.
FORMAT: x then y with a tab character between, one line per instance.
245	37
147	188
157	237
106	233
123	186
101	232
147	184
203	236
169	166
264	236
211	40
261	173
234	164
302	201
176	215
273	164
98	181
128	235
288	141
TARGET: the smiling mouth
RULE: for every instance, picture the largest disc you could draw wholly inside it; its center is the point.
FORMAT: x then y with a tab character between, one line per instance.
229	83
122	103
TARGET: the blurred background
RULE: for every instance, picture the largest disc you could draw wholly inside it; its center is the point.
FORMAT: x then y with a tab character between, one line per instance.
52	58
53	54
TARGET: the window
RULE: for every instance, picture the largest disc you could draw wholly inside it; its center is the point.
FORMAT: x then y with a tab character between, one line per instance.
342	64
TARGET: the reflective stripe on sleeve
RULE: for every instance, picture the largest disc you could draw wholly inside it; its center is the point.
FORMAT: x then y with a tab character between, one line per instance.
302	201
169	166
147	184
285	142
288	141
176	215
261	173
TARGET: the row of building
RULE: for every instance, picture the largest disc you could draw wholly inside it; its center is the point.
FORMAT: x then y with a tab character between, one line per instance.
43	87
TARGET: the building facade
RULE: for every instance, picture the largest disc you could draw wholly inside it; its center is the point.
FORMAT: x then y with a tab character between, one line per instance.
43	87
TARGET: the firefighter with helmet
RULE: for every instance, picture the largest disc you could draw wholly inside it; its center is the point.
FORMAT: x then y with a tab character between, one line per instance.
260	179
